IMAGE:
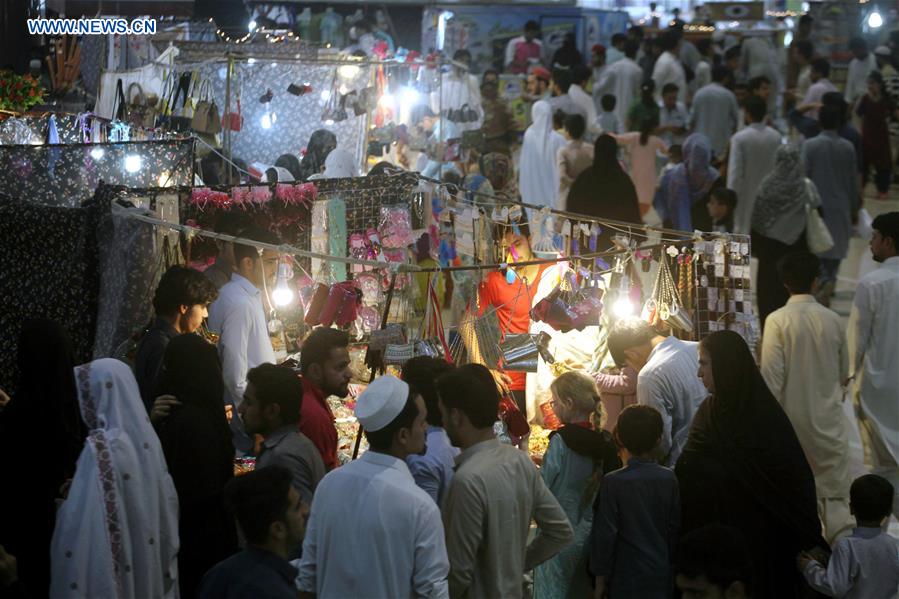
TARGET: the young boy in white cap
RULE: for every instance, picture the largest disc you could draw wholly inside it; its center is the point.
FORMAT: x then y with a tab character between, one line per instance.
372	531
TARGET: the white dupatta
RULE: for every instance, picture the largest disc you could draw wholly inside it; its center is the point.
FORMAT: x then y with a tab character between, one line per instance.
538	174
116	533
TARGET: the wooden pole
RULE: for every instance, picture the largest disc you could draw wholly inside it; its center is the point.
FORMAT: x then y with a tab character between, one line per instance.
374	370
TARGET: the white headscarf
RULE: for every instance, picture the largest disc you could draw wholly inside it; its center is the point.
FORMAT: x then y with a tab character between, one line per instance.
339	164
538	175
117	532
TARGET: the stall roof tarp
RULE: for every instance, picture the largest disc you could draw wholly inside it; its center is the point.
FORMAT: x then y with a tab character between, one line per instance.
68	175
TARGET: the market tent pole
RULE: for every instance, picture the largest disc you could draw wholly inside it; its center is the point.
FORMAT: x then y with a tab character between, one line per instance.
374	370
227	140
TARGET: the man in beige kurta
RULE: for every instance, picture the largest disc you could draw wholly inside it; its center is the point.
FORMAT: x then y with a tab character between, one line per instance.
805	363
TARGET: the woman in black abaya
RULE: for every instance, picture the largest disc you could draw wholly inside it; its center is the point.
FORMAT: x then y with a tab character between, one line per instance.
321	142
743	467
604	190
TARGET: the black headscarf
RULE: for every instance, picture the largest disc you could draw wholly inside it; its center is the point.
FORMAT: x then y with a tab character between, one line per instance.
605	190
42	435
743	466
320	145
568	55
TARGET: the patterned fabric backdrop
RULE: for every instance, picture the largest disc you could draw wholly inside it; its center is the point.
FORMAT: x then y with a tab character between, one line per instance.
296	117
48	257
68	175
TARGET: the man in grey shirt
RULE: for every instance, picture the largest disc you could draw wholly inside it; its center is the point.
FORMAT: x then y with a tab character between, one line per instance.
271	408
715	112
495	493
667	379
560	100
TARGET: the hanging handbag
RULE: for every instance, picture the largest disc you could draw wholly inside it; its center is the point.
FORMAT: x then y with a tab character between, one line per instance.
170	115
233	121
817	235
118	107
206	114
139	110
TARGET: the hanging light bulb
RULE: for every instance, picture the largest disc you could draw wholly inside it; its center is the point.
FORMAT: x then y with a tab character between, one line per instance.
252	25
132	163
283	294
97	153
623	307
266	121
875	21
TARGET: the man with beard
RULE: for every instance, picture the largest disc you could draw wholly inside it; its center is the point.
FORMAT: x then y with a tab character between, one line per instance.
325	364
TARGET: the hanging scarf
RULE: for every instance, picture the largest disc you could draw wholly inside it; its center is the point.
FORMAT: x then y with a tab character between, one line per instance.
782	190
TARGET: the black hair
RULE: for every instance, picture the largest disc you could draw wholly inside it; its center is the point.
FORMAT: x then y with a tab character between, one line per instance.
580	73
318	345
637	31
670	88
291	163
258	499
255	233
278	385
532	26
835	99
231	222
676	150
877	77
608	102
806	49
648	125
489	72
631	48
717	552
756	108
734	52
558	119
382	168
422	372
562	78
575	124
726	196
618	38
704	45
211	169
668	40
830	117
182	286
757	82
806	19
858	43
461	55
381	439
888	226
871	497
627	334
821	66
798	271
639	429
720	73
471	389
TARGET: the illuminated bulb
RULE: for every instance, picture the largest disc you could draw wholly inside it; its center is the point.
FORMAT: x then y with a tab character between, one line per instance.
252	26
344	89
283	294
875	20
623	307
386	100
329	122
326	95
266	121
97	153
348	71
132	163
251	61
165	179
409	97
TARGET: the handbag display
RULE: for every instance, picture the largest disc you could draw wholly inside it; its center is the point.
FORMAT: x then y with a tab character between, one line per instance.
817	235
170	115
206	114
522	351
463	114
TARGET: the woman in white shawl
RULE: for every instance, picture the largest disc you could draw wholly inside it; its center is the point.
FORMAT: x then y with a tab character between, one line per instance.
538	175
116	533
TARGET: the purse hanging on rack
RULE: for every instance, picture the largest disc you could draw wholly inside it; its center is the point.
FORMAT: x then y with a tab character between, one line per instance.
206	113
233	121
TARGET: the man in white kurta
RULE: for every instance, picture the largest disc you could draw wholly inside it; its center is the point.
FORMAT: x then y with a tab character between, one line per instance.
751	158
668	69
805	363
622	80
874	351
372	531
859	68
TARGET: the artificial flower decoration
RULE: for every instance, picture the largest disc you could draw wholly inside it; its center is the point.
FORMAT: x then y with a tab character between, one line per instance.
19	93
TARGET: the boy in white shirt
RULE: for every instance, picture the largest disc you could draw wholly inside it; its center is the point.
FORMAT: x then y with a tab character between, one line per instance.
864	565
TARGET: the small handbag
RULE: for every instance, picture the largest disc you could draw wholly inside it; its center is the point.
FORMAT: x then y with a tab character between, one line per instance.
817	235
206	114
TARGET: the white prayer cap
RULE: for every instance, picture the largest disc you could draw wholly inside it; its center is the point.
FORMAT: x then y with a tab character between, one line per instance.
883	51
381	402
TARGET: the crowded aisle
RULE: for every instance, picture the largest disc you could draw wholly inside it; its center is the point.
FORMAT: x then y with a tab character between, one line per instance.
521	301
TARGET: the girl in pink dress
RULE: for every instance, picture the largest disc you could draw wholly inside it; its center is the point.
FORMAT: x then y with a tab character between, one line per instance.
642	148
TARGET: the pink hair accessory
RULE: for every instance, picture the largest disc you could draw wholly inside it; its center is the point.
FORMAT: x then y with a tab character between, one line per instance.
239	195
259	194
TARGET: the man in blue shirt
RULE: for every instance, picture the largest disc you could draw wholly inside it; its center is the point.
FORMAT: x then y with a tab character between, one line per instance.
272	518
433	470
